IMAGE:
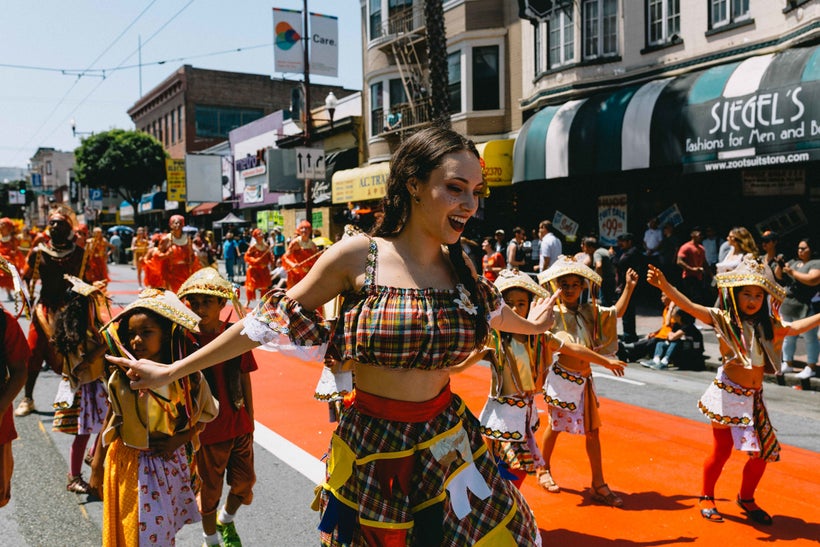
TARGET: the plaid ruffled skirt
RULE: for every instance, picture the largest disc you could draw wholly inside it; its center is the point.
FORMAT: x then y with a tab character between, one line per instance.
402	473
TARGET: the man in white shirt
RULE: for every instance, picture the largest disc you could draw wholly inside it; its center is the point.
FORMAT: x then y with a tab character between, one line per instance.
652	238
550	245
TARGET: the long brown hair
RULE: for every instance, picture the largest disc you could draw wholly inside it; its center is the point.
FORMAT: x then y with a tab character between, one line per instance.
417	157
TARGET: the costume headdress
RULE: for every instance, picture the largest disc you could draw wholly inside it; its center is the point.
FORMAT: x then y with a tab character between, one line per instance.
567	265
65	213
209	281
176	217
166	304
6	222
751	272
513	279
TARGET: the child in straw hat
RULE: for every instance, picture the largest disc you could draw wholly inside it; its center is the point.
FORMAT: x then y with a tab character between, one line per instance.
147	489
227	442
519	365
569	391
750	335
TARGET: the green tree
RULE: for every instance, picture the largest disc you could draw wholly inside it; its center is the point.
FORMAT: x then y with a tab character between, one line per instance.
130	163
437	57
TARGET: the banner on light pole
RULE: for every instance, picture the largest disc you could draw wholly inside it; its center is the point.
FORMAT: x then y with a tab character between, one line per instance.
288	55
324	45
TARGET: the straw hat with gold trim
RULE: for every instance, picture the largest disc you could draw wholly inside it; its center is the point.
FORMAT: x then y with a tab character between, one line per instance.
81	287
513	279
166	304
209	281
751	272
567	265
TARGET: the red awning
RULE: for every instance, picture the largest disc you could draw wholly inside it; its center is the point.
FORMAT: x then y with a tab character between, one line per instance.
204	208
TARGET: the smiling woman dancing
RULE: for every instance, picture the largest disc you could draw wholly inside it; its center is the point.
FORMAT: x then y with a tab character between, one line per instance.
407	451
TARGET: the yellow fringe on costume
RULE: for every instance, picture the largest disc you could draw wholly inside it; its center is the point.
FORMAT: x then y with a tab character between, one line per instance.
121	510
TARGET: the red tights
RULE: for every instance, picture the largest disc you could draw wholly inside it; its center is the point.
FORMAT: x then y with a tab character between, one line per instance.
713	466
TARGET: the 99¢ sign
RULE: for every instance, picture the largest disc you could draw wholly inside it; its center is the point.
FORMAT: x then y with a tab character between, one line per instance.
611	218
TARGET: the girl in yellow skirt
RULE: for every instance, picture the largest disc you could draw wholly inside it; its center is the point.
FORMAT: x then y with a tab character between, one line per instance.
148	495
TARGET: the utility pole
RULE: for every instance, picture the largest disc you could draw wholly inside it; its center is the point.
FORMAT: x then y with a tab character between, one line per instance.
308	116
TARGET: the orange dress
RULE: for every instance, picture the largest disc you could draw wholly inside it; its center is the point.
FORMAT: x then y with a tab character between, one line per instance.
11	252
140	245
96	266
299	259
182	262
258	263
155	268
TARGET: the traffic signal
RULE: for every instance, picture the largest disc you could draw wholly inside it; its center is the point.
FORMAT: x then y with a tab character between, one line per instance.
21	187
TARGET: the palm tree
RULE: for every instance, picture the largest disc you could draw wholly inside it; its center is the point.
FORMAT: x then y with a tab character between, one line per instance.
437	59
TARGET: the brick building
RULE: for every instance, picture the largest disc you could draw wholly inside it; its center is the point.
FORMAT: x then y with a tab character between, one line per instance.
194	109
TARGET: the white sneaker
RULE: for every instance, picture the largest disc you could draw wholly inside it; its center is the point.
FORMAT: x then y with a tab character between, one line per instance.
784	368
806	373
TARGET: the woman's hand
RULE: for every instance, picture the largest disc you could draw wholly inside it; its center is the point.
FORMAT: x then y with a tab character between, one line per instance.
542	311
616	366
631	278
144	374
655	277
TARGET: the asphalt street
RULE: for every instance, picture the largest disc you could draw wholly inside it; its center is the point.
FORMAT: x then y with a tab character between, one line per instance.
43	513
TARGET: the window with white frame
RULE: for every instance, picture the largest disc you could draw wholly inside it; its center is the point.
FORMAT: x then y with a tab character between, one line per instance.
375	8
486	78
376	108
724	12
537	44
454	81
600	27
663	21
561	39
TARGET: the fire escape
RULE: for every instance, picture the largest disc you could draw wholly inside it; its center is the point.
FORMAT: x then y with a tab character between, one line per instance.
404	40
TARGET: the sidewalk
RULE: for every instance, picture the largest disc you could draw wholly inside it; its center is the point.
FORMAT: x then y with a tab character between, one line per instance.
648	320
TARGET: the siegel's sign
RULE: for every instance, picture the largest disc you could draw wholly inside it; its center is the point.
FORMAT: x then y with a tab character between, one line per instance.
767	122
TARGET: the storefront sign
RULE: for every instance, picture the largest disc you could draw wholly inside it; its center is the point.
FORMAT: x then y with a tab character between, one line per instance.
671	215
175	175
320	191
360	184
774	182
611	218
251	166
252	193
767	128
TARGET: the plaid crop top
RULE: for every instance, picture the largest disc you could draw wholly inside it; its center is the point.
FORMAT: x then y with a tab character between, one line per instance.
407	328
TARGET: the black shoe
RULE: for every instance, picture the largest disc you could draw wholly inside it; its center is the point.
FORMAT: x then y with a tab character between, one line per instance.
758	515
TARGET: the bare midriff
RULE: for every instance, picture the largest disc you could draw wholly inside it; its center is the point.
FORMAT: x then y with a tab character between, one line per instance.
746	377
400	384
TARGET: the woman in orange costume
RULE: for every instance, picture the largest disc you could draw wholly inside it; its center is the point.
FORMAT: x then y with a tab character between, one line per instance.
155	263
301	254
10	250
139	247
259	259
96	257
182	260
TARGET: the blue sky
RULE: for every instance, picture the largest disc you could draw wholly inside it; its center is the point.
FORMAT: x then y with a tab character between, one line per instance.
36	106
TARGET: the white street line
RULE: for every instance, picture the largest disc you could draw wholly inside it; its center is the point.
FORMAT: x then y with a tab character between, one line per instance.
300	460
617	379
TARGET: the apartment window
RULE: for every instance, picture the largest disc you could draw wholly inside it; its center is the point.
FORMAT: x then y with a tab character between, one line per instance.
165	131
376	108
400	13
454	81
537	42
600	27
561	35
217	121
49	168
663	19
173	126
375	19
724	12
179	123
397	95
486	95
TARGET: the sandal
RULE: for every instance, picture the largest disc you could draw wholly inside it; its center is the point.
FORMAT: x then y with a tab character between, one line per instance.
546	481
756	514
609	498
711	514
77	485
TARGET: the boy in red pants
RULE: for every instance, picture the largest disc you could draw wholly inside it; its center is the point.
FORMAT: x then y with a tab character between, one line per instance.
227	442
